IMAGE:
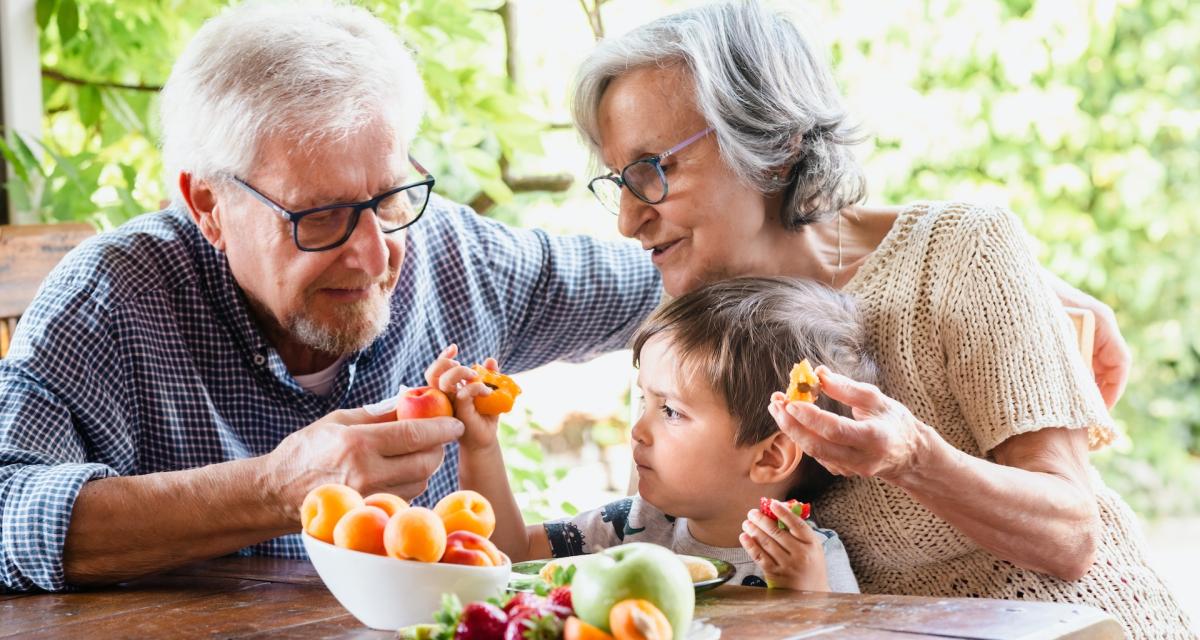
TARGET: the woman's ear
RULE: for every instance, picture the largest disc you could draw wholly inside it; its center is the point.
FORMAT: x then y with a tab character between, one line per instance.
776	459
201	202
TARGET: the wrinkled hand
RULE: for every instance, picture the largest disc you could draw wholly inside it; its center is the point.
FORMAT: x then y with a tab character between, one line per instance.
352	447
883	439
792	558
462	385
1111	358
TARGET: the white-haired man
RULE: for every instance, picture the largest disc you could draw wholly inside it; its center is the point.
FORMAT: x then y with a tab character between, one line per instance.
180	383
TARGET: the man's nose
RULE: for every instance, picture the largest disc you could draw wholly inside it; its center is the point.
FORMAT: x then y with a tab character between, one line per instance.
366	249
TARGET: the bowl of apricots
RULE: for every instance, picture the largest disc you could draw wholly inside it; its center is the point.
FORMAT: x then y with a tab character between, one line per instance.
389	563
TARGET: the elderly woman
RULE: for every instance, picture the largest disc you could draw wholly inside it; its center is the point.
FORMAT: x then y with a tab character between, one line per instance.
967	470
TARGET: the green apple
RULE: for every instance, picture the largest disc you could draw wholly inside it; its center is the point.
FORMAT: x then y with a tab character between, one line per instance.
635	570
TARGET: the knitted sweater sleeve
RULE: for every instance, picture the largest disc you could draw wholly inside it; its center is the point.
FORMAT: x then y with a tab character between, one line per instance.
1011	356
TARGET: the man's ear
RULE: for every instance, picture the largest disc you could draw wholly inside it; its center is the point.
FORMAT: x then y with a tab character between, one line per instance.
202	205
776	460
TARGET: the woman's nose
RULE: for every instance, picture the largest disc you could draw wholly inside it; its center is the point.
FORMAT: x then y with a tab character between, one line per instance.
633	214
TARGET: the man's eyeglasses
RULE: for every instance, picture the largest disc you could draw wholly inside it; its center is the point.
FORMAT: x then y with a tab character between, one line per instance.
330	226
644	178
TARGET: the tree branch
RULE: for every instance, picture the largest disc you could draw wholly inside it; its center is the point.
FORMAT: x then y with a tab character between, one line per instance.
54	74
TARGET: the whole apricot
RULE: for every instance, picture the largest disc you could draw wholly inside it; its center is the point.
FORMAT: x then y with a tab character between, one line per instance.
423	402
464	547
415	533
361	529
324	506
467	511
390	503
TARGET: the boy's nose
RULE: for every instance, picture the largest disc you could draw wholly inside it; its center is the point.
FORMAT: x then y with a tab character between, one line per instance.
641	432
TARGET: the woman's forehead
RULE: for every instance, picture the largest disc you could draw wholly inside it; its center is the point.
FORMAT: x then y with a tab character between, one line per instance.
644	111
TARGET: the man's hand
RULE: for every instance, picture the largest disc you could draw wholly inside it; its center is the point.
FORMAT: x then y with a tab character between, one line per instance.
352	447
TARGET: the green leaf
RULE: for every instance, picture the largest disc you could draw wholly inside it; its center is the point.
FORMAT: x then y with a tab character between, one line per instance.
89	105
68	20
45	10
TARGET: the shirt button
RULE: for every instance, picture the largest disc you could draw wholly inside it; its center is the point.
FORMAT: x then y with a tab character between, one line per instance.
259	359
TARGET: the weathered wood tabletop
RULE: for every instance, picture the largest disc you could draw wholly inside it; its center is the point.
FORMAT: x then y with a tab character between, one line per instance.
263	597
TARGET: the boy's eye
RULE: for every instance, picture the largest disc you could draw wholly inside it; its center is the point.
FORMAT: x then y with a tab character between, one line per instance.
669	413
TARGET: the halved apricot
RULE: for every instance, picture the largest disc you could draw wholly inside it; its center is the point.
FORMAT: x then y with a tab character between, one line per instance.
638	619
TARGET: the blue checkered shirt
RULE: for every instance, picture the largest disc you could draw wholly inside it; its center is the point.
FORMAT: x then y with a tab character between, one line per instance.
139	355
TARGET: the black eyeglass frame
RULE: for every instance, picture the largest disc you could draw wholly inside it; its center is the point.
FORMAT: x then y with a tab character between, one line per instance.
654	161
357	208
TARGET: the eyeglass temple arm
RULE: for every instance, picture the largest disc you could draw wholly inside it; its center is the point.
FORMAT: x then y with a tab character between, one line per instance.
283	213
675	149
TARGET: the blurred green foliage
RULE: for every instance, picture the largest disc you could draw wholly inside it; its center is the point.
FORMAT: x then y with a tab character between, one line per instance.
1084	119
103	62
1081	116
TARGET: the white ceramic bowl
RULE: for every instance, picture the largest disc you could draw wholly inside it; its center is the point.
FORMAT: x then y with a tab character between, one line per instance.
386	593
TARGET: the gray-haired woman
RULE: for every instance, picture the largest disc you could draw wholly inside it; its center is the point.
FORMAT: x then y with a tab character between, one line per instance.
967	469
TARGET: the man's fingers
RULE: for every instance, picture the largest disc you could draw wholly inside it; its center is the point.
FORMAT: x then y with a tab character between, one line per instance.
850	392
379	412
399	438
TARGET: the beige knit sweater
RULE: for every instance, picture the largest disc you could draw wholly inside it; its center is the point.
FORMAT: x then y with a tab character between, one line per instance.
970	337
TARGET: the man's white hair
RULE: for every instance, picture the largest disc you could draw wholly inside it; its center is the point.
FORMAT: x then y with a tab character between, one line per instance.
310	72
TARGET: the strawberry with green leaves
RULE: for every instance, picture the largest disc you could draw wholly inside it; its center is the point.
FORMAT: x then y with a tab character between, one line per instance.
802	509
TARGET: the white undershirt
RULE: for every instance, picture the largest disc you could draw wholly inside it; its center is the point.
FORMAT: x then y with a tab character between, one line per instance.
321	382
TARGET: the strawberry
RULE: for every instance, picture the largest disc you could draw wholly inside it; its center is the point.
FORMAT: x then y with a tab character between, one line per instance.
561	597
481	621
802	509
522	600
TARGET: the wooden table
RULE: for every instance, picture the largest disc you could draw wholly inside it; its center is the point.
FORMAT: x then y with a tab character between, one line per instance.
265	597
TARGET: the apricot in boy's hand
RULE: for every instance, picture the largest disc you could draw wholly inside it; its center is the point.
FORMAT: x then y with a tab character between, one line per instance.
504	392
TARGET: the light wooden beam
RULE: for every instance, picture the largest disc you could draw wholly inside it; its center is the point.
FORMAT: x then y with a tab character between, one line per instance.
20	80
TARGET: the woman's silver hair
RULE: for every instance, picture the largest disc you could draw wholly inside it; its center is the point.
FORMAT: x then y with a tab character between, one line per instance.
773	103
310	72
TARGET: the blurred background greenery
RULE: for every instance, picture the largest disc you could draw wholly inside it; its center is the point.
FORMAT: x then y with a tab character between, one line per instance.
1081	116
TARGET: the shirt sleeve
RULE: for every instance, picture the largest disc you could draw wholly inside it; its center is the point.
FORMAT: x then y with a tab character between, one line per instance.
1012	360
837	563
58	352
591	531
564	297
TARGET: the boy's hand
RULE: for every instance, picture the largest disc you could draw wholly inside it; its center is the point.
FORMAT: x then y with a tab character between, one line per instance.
461	384
790	559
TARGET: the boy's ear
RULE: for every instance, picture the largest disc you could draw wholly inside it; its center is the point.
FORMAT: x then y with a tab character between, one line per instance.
776	459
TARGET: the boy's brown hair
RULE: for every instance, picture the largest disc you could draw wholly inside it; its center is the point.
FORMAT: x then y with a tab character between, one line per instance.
745	334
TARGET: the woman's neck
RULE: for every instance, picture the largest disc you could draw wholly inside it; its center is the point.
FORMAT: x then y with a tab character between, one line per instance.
830	251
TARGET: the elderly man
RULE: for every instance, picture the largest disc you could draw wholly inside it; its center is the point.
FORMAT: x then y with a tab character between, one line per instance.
180	383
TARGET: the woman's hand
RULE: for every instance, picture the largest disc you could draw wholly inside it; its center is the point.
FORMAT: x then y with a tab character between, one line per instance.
1110	354
462	385
791	558
883	439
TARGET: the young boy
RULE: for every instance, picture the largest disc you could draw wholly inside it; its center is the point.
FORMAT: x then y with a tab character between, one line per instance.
706	448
